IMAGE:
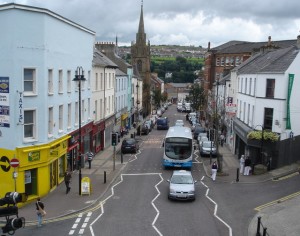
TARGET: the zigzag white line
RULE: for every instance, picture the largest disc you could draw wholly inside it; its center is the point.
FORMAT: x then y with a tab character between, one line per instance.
216	208
157	211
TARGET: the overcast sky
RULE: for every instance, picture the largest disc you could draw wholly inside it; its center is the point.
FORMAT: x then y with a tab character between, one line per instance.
181	22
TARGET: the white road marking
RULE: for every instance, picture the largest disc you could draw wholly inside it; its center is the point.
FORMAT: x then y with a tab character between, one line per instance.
157	211
113	193
84	225
74	226
71	232
216	207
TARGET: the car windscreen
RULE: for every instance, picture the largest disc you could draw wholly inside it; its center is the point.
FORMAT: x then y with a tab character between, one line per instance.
182	179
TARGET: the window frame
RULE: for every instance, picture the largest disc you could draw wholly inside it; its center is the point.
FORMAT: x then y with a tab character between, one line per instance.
33	91
32	123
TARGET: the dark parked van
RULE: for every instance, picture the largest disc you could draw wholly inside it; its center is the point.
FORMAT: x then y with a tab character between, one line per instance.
162	123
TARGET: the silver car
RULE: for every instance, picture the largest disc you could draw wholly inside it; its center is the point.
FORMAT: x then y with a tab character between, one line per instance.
182	185
208	147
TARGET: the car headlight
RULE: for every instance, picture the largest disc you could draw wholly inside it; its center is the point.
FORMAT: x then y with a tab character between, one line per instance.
172	190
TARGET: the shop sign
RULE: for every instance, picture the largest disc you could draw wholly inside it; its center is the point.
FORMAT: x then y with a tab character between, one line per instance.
34	156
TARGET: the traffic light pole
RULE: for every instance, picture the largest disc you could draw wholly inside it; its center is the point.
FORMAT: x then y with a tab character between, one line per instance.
114	158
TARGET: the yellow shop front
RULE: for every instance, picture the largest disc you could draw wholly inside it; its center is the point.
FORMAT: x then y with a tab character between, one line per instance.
41	168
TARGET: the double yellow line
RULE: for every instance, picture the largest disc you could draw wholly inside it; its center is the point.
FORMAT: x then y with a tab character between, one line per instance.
259	208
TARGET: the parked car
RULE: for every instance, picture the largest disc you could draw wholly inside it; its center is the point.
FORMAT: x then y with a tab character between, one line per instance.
150	124
201	139
162	123
208	147
129	145
197	130
145	129
182	185
159	112
179	123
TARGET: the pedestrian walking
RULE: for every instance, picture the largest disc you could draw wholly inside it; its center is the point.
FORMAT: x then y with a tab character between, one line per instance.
242	164
247	166
214	169
67	179
40	211
90	157
222	139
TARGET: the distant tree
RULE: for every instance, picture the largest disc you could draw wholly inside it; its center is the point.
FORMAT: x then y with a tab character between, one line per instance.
156	95
197	97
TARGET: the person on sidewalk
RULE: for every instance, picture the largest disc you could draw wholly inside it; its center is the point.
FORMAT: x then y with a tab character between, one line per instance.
40	211
242	164
214	169
222	139
247	166
67	180
90	157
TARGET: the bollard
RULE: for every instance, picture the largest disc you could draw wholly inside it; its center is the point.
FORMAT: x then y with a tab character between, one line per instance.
121	157
258	226
105	177
265	232
131	136
237	174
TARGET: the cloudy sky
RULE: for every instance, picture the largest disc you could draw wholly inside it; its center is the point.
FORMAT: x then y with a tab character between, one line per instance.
181	22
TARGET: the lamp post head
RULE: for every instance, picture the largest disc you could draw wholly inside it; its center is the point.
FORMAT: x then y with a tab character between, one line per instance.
79	74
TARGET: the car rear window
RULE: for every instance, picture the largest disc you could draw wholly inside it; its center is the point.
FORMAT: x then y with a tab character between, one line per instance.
129	141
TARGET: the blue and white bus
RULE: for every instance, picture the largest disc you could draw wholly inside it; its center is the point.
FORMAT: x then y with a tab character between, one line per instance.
178	147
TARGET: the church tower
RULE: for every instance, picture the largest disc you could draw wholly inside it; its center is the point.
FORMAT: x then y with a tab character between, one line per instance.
140	56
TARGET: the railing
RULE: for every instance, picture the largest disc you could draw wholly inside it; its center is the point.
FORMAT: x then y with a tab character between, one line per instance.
259	225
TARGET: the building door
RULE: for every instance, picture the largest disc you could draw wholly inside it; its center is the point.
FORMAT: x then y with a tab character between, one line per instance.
31	182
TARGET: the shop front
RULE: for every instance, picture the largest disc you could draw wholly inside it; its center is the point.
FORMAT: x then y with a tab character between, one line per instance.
125	121
41	168
241	142
109	128
98	136
73	145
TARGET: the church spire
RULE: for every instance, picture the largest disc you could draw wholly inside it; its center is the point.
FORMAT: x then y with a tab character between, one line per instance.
141	36
141	24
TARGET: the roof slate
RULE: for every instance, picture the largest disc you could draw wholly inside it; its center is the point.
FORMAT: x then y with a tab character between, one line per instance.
276	61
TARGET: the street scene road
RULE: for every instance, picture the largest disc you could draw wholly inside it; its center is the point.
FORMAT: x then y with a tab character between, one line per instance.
136	202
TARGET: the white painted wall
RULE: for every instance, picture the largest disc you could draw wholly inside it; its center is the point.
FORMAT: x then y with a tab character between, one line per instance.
43	40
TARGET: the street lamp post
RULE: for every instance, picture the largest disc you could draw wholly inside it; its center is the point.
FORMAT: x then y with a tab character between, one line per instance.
217	129
79	76
137	107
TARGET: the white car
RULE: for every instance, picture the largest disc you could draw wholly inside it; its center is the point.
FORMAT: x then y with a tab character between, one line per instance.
208	147
182	185
202	139
179	123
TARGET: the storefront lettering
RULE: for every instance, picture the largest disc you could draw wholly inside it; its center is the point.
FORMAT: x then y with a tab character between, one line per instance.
21	109
34	156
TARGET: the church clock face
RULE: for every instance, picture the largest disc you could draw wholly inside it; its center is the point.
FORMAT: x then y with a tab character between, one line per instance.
139	65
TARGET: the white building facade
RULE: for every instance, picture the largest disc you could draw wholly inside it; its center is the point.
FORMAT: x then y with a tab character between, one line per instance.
40	52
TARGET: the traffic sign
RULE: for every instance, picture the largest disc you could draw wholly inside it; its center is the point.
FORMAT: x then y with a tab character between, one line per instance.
14	162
